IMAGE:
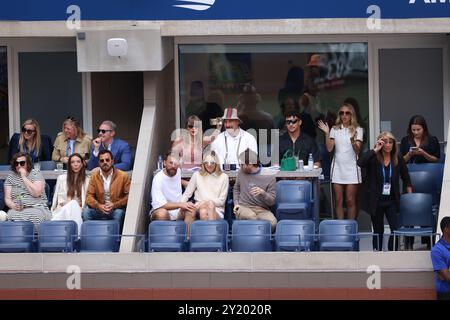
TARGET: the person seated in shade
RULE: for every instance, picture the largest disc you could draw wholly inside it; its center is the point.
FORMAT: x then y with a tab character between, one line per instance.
25	192
120	150
32	142
210	189
253	193
70	191
107	194
72	139
167	193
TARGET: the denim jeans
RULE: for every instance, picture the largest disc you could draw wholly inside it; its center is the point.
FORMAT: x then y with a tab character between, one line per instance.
116	214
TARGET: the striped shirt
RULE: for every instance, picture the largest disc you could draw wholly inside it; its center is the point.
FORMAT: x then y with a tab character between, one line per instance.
19	190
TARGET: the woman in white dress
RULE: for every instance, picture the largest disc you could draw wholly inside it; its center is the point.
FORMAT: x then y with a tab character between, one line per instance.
346	138
70	191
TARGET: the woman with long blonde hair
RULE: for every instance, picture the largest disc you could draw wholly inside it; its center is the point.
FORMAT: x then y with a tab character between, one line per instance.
345	138
384	166
210	189
30	141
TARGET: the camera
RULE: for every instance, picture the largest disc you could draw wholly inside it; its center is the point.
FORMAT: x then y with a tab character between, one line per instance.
216	122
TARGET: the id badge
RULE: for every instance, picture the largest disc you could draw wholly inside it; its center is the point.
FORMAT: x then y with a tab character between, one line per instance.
386	189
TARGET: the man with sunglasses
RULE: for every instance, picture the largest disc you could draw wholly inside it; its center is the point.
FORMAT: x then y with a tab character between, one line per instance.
107	194
121	150
299	142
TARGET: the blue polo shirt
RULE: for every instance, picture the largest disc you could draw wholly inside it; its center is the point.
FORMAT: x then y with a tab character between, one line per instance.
440	257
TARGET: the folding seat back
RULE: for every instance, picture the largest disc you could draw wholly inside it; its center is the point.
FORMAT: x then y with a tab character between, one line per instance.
209	235
251	236
295	235
57	236
416	210
338	235
16	236
424	182
166	236
100	236
294	200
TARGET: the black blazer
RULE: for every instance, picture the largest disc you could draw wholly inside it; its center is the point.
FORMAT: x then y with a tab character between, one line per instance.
373	182
45	153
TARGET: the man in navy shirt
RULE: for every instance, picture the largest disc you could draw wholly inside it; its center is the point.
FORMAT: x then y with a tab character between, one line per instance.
440	256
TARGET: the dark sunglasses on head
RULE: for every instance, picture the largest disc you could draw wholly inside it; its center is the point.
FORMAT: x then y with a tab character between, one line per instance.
288	122
20	163
347	113
105	160
29	131
103	131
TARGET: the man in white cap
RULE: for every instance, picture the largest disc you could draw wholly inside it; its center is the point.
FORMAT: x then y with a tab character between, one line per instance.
233	141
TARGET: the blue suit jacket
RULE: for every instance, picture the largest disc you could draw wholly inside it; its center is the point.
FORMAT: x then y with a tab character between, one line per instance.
123	157
45	153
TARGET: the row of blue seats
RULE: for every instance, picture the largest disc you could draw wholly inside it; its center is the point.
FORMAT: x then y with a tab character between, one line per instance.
253	236
416	218
59	236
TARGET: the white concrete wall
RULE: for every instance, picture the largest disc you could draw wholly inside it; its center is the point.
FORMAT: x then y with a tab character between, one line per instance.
158	122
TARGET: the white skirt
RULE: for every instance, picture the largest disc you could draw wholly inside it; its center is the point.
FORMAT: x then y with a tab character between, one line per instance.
70	211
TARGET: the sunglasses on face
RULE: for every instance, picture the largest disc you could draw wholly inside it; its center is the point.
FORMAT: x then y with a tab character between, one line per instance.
190	126
209	163
21	163
103	131
347	113
105	160
288	122
29	131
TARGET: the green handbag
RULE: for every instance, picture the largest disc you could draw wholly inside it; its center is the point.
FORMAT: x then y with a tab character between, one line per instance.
289	162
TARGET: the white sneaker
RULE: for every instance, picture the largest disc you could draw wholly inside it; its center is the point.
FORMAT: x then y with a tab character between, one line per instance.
3	215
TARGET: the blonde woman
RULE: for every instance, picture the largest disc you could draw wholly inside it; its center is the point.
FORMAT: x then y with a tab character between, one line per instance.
72	139
30	141
346	139
384	168
210	189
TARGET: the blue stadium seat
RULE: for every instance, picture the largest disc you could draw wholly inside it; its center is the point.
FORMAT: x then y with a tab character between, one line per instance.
100	236
424	182
294	200
338	235
251	236
5	167
208	236
16	236
435	169
57	236
47	165
295	235
166	236
416	217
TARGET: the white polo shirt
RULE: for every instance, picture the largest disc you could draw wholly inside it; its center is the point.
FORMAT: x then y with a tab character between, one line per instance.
236	145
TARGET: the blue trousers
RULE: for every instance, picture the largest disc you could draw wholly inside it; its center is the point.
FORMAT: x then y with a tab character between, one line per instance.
116	214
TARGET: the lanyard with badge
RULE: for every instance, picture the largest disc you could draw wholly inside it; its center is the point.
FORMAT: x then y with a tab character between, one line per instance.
386	183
